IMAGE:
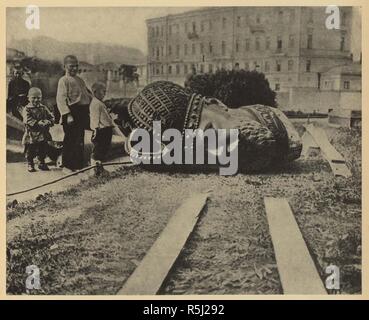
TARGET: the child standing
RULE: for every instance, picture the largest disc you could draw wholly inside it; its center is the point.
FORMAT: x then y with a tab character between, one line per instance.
73	99
101	123
37	119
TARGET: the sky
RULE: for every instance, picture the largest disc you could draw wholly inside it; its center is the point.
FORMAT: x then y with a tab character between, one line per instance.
114	25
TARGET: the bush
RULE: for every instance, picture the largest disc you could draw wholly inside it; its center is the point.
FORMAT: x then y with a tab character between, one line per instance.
51	68
234	88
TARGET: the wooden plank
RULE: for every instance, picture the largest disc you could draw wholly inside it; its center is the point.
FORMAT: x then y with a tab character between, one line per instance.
296	268
334	158
155	266
308	144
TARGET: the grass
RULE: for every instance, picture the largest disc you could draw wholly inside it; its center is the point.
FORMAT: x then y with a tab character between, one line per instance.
88	240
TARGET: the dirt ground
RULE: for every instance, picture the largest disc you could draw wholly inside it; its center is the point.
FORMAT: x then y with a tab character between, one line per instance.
89	239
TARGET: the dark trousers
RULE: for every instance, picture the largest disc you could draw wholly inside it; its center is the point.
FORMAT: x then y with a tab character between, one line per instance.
101	143
34	150
74	137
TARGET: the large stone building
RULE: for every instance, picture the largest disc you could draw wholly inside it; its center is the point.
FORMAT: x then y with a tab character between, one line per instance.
291	45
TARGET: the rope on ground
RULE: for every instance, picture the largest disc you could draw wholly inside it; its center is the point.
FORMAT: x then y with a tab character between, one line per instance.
67	176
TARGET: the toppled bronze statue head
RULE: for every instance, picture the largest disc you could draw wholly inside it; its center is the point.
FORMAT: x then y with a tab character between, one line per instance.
266	135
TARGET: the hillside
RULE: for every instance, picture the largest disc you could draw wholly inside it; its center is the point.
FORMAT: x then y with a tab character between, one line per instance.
95	53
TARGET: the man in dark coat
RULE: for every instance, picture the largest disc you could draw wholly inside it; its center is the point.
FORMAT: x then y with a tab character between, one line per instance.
17	93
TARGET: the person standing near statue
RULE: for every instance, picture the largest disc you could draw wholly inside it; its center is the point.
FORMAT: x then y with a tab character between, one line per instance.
73	99
17	93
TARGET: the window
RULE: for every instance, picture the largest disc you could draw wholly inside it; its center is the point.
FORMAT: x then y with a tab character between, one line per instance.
266	66
292	15
157	30
201	48
162	51
193	49
278	66
185	69
310	15
186	27
346	85
169	50
258	18
170	69
279	42
344	18
202	27
310	41
237	46
308	65
201	68
290	65
238	21
223	48
224	23
162	30
277	87
342	43
185	49
178	69
247	47
257	43
177	50
267	43
280	16
210	47
157	53
210	68
210	25
194	27
170	30
153	52
291	41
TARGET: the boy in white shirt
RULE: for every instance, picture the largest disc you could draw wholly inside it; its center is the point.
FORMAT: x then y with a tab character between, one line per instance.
101	123
73	99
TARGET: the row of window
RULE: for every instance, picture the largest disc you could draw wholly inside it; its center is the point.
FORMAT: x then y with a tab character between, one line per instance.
258	43
282	16
328	84
266	66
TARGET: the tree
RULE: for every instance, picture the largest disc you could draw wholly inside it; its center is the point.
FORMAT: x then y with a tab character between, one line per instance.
129	73
39	65
234	88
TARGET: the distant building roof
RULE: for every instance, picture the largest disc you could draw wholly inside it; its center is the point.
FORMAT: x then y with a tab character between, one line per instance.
350	69
109	66
14	54
86	65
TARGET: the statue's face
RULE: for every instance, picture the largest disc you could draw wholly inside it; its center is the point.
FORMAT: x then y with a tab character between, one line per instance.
217	115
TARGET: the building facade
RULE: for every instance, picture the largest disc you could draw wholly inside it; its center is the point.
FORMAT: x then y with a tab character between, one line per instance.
291	45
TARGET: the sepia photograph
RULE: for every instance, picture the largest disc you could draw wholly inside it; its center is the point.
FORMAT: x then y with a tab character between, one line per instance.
181	151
